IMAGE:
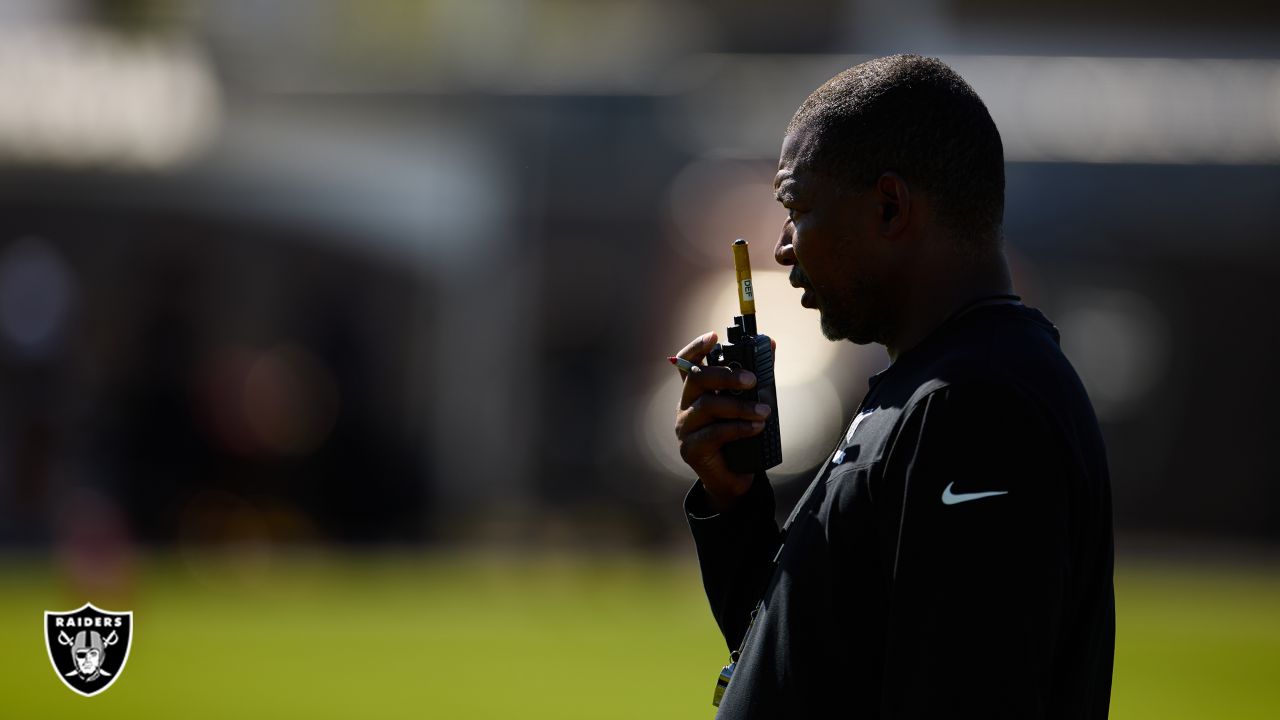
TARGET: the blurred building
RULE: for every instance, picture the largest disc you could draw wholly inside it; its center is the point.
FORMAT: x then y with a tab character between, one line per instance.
392	271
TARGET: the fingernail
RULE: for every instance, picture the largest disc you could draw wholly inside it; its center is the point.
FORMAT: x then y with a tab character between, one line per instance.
746	378
763	409
757	425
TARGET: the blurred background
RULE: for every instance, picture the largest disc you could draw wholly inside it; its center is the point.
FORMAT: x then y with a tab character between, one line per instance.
332	333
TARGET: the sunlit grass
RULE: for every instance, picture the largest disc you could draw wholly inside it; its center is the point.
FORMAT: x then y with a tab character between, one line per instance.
1197	644
537	637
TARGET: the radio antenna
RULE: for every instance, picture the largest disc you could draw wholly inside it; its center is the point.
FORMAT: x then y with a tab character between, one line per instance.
746	294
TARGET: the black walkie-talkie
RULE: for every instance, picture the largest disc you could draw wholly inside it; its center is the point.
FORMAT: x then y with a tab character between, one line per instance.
748	350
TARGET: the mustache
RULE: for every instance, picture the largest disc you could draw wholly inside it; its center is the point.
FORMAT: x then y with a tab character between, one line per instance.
798	278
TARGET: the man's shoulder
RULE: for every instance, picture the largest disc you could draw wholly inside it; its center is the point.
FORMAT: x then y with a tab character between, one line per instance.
984	400
1001	372
1007	356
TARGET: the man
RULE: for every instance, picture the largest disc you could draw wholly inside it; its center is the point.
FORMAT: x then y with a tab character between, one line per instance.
953	557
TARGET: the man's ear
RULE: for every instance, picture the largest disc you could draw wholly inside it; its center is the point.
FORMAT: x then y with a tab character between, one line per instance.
893	199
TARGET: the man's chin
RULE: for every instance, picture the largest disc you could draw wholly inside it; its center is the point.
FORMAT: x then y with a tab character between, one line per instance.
837	331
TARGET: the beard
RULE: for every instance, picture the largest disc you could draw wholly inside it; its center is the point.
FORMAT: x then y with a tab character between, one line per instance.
854	321
856	311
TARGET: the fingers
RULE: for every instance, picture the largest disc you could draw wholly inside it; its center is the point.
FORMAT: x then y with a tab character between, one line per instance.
701	448
698	348
712	408
711	378
706	421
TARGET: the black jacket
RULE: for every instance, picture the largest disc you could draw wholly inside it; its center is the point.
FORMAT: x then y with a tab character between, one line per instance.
952	559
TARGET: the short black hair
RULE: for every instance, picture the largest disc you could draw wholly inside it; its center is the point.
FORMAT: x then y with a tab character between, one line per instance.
914	116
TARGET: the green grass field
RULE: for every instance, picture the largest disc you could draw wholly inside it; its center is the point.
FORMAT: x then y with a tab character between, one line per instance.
545	637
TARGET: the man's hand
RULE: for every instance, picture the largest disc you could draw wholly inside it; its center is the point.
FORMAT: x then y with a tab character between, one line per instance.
705	422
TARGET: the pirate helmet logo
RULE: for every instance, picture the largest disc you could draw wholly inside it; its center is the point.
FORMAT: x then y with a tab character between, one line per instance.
88	647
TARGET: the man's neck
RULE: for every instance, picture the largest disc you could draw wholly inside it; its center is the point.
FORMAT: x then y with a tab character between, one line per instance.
937	300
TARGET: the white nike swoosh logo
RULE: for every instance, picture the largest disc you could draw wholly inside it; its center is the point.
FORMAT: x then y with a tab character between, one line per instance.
950	498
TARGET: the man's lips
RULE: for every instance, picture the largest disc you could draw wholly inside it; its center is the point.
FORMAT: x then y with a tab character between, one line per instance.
807	299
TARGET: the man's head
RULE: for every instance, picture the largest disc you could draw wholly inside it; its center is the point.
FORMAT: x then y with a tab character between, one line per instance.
889	162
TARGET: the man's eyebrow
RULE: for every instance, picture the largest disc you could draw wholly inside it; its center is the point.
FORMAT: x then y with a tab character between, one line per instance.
784	192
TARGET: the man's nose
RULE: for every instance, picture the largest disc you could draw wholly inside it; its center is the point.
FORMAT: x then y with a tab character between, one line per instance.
783	252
